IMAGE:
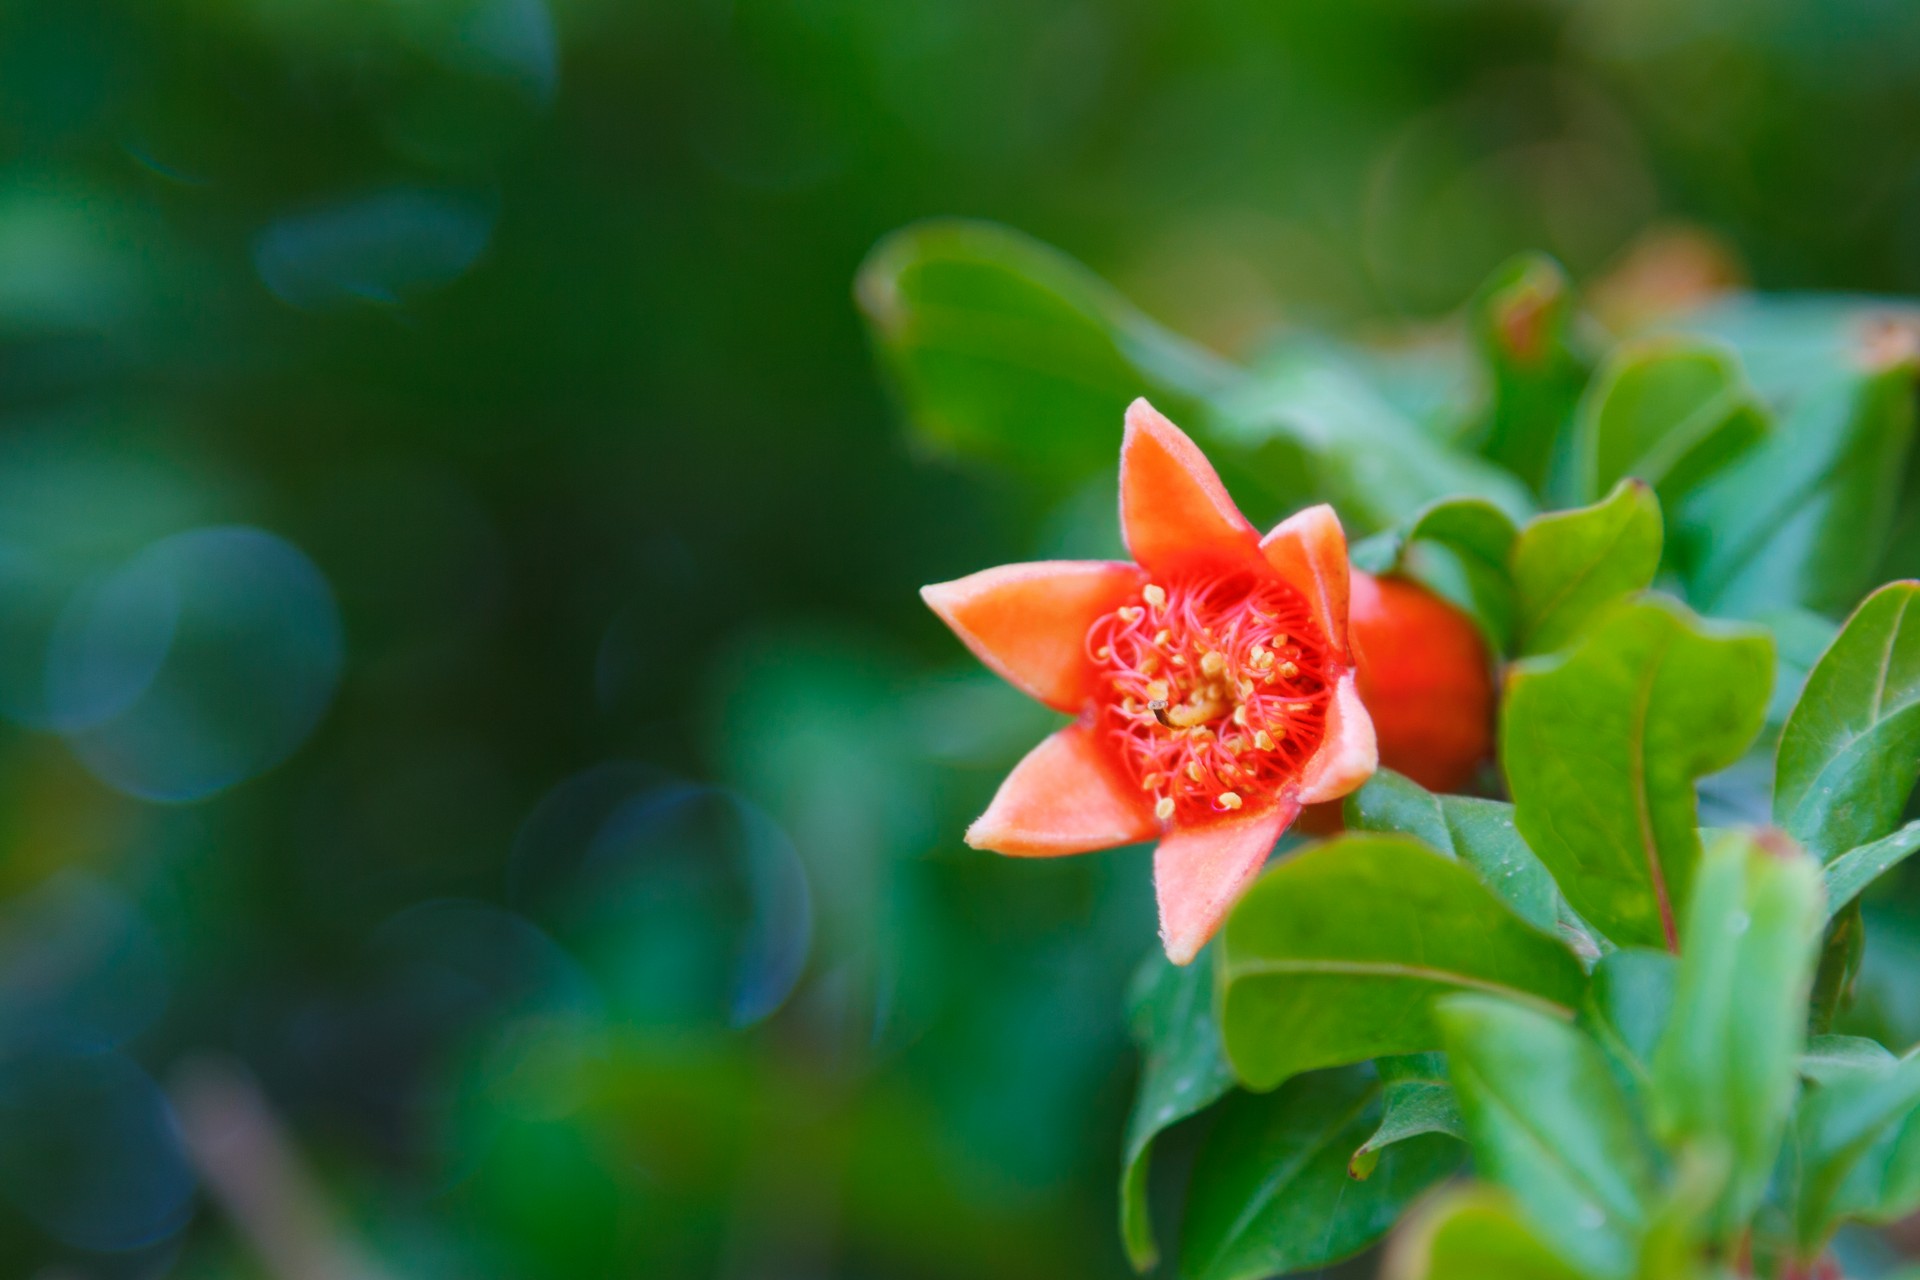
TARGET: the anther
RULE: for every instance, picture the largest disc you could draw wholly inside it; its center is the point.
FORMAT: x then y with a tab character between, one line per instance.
1131	613
1162	637
1155	595
1289	670
1240	715
1157	691
1104	653
1178	659
1229	799
1263	740
1195	772
1262	657
1212	663
1163	808
1153	781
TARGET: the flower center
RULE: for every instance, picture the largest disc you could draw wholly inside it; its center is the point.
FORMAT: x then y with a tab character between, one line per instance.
1214	690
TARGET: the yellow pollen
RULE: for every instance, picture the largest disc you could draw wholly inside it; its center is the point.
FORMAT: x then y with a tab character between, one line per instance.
1262	658
1229	770
1152	781
1299	708
1234	743
1289	670
1157	690
1240	715
1155	595
1162	636
1212	663
1105	652
1195	772
1150	663
1279	639
1163	808
1131	613
1229	799
1263	740
1178	659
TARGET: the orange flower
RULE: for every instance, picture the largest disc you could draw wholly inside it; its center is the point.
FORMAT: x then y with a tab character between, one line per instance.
1211	676
1427	679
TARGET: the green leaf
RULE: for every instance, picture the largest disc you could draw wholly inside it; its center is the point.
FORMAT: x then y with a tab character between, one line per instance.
1522	325
1475	1233
1601	748
1851	872
1669	411
1803	518
1458	549
1001	347
1833	1058
1270	1190
1339	953
1310	418
1417	1101
1725	1074
1479	832
1569	566
1182	1072
1851	748
1853	1153
1547	1121
1839	968
1629	1002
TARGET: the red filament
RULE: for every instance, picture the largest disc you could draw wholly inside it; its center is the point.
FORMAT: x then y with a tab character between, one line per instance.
1214	690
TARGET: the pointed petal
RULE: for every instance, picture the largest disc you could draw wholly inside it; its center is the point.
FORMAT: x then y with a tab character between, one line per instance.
1348	755
1309	550
1029	621
1199	873
1065	797
1173	508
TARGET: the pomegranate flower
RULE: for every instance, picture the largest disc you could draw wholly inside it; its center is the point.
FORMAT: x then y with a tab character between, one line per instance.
1211	678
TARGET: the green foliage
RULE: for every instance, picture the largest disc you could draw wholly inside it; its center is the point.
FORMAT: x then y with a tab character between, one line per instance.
1547	1121
1569	566
1417	1101
1602	747
1479	832
1340	954
1271	1192
1474	1232
1851	748
1666	411
1522	321
1182	1072
1725	1072
986	333
1458	548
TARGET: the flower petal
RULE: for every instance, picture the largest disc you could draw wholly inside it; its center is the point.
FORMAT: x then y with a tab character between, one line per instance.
1199	873
1309	550
1348	755
1029	621
1064	797
1173	508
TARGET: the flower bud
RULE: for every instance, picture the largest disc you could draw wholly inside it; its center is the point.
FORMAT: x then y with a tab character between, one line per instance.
1426	678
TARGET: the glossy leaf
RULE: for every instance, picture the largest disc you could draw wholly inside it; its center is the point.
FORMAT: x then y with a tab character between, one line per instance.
1478	832
1849	1133
1547	1121
1522	327
1601	749
1669	411
1310	417
1841	956
1182	1072
1475	1233
1416	1101
1570	566
1339	953
1458	549
1851	872
1629	1003
1725	1073
1270	1191
1002	347
1851	748
1803	518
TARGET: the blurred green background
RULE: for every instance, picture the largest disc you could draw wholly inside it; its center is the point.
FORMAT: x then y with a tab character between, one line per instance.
479	793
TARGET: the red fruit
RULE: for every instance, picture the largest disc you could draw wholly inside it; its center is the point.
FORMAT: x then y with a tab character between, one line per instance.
1426	678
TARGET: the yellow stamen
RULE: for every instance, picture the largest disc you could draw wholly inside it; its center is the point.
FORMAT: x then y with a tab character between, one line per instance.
1212	663
1263	740
1229	800
1163	808
1162	636
1262	658
1289	670
1157	690
1195	772
1155	595
1240	715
